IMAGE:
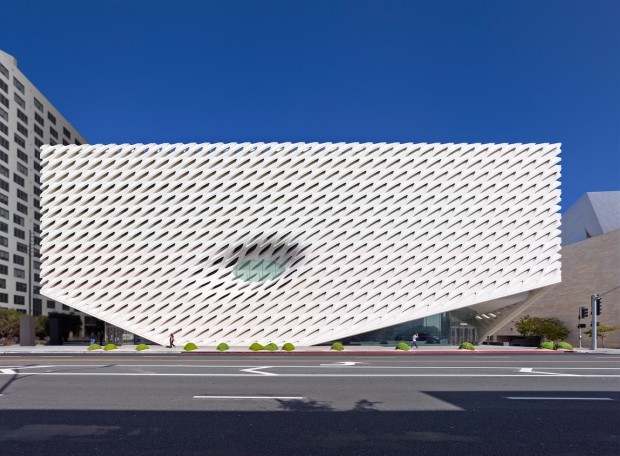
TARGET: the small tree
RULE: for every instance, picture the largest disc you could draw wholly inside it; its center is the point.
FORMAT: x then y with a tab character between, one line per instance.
9	324
41	326
602	331
549	328
554	329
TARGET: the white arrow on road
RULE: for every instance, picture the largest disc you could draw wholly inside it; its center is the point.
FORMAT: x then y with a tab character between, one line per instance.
528	370
342	364
8	371
254	370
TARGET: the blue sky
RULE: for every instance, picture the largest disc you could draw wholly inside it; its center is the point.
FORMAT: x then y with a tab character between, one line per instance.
424	71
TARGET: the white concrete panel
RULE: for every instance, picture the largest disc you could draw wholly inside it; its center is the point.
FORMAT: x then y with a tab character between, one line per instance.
152	237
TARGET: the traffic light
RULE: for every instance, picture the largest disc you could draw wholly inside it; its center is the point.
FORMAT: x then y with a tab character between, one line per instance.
584	312
599	304
581	325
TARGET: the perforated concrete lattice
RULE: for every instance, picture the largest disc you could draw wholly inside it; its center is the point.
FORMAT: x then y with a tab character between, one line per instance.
294	242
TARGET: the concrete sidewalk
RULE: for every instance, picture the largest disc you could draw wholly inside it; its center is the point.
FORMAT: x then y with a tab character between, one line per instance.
314	350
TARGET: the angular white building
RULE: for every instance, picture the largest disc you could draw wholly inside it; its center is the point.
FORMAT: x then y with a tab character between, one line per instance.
298	242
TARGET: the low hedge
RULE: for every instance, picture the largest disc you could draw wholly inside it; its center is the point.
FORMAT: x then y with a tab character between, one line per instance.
110	347
271	347
546	345
142	347
190	346
563	346
337	346
256	347
466	346
222	347
94	347
288	347
402	346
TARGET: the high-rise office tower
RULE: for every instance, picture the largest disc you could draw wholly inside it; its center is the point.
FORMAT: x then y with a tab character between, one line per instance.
27	121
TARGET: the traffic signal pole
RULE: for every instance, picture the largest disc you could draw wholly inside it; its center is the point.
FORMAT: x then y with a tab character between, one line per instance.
579	326
583	314
593	302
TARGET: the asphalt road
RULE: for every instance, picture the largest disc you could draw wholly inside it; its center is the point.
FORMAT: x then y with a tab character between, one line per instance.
310	405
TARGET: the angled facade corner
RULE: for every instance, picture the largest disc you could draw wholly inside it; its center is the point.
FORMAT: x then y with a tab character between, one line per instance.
295	242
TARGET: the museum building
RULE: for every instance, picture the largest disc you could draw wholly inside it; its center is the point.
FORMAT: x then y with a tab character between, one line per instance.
301	242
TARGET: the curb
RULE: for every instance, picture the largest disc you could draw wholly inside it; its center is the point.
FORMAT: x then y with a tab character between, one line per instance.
385	352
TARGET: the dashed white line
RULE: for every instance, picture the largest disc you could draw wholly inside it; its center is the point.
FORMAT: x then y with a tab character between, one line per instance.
345	364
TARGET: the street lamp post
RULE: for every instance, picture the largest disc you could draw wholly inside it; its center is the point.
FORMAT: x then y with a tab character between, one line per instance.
30	306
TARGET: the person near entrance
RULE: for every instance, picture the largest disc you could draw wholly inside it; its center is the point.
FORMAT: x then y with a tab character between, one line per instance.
414	341
172	340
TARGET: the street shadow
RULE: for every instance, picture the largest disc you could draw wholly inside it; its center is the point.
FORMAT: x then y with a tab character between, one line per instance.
478	423
298	405
365	406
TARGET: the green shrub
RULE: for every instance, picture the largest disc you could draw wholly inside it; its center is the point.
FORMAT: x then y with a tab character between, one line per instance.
546	345
142	347
271	347
222	347
466	346
256	347
190	346
337	346
288	347
110	347
402	346
563	346
94	347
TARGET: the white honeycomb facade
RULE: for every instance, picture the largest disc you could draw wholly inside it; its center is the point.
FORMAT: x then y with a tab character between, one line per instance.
294	242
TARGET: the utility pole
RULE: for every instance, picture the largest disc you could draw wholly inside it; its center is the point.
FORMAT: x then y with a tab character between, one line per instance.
30	273
583	313
593	301
596	303
579	325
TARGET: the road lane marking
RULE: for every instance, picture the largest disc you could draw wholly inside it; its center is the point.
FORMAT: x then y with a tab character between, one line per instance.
251	397
211	366
265	374
254	370
533	398
348	363
528	370
376	360
8	372
57	356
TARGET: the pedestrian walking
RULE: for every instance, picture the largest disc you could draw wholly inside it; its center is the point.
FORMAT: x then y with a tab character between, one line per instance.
101	339
172	340
415	341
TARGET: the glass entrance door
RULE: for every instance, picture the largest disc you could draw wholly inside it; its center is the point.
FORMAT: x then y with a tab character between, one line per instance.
460	334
